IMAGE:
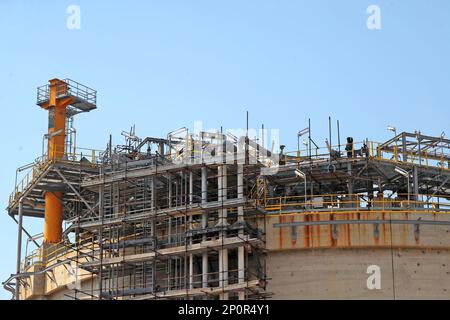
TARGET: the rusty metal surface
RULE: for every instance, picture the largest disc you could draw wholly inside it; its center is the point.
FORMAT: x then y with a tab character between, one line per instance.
357	230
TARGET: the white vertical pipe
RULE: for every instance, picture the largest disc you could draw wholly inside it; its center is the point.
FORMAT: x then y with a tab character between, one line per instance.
204	226
191	256
223	254
241	252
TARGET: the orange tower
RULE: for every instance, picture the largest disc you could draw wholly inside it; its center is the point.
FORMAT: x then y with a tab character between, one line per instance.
56	98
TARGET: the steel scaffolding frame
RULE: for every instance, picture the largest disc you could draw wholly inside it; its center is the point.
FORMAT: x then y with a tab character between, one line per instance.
174	230
162	223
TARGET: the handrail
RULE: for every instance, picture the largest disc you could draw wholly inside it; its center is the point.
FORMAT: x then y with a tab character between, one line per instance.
43	256
374	150
69	87
41	164
330	202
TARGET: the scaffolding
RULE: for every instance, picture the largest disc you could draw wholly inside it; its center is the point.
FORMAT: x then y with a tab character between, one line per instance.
166	230
184	217
155	219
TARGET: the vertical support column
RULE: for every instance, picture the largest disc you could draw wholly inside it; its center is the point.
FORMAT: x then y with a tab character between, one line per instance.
57	116
191	256
405	152
161	149
176	193
204	226
349	183
153	231
116	197
100	240
19	247
153	195
223	253
240	219
169	240
224	196
53	217
169	197
416	184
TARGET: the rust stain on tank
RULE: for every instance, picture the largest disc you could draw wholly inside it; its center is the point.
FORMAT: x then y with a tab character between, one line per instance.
376	239
347	229
416	238
319	230
366	228
307	230
293	239
280	238
315	232
332	240
404	232
359	226
312	232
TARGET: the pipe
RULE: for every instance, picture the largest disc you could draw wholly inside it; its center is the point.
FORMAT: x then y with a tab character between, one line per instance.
204	226
100	233
223	253
53	217
19	248
339	137
57	111
240	218
329	133
309	141
191	256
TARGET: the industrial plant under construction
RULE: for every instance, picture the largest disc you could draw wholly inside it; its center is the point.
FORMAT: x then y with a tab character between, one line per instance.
210	215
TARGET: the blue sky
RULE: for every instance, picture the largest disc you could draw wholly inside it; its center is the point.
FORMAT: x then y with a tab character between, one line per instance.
165	64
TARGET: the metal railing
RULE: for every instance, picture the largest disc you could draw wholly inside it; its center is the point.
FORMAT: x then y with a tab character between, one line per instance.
48	255
67	88
41	164
372	149
336	203
39	256
38	167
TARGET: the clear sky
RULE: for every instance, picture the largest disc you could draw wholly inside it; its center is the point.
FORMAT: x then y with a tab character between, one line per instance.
165	64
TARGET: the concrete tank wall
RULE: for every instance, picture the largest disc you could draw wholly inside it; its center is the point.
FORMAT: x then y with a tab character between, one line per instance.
319	262
330	262
342	274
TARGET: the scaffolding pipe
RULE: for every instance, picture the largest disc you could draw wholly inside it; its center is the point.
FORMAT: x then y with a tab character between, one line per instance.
416	184
204	226
240	219
19	248
223	253
191	256
153	233
100	240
